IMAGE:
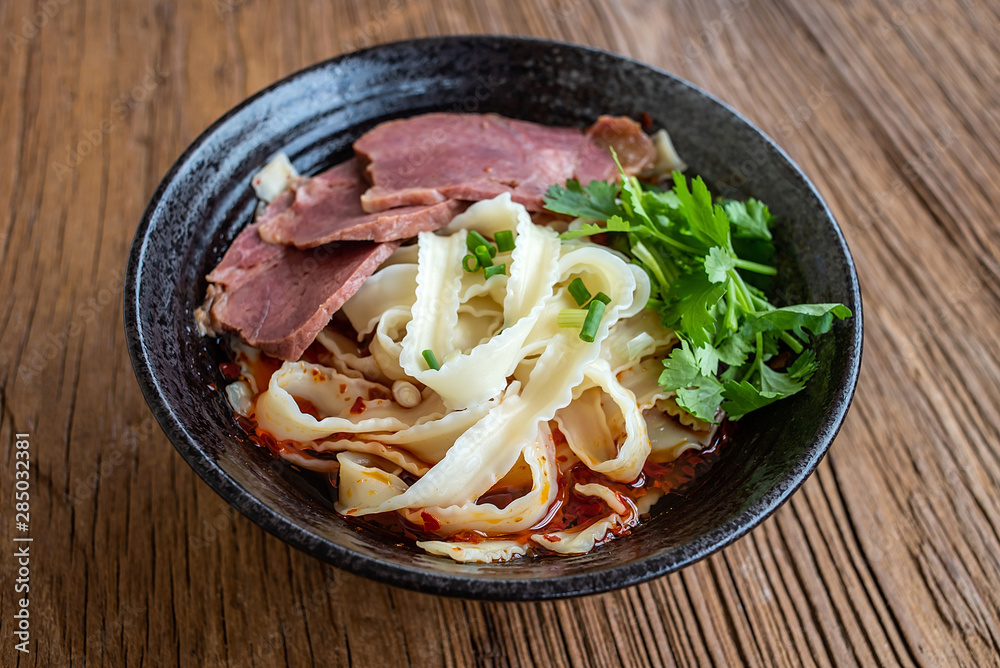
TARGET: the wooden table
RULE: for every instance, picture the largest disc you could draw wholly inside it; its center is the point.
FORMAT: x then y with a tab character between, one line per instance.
890	553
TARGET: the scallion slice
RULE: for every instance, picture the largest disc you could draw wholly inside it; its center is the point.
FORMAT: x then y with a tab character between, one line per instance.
494	270
466	263
482	254
595	311
505	240
432	362
579	291
601	297
572	317
474	240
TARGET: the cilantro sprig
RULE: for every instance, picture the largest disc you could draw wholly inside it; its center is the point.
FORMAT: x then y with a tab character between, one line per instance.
705	260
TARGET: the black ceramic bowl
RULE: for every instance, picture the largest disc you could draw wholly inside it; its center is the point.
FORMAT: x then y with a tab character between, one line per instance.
314	116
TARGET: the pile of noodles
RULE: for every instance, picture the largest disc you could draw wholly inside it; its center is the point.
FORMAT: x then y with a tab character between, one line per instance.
508	375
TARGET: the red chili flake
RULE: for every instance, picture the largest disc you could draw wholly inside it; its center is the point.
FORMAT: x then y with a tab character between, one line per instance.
430	523
230	370
646	120
343	388
552	538
359	406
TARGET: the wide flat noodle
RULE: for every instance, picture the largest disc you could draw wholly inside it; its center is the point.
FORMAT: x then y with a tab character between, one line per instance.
337	396
623	516
390	287
581	542
362	485
623	463
434	314
533	271
521	513
484	552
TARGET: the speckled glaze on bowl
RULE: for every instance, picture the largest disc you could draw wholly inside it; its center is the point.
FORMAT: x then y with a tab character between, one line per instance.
314	116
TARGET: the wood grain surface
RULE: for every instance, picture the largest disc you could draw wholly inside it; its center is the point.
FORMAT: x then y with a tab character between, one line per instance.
890	553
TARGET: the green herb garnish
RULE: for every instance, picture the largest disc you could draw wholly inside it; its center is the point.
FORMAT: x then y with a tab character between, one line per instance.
432	362
578	291
504	240
708	263
489	272
474	240
482	254
595	311
571	317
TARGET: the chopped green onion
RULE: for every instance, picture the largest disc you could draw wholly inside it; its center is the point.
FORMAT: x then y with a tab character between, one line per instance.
579	291
483	255
432	362
494	270
595	311
572	317
601	297
474	240
505	240
465	263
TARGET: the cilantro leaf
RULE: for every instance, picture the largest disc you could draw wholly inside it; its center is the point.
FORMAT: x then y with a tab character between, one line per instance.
701	401
599	200
777	382
707	358
708	222
616	224
718	264
680	368
585	230
733	349
818	318
750	219
804	366
742	398
693	313
696	391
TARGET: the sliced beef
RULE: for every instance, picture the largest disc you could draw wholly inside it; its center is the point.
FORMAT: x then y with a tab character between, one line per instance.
634	148
435	157
327	207
277	298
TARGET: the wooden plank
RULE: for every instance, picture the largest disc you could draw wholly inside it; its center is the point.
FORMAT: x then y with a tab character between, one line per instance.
887	556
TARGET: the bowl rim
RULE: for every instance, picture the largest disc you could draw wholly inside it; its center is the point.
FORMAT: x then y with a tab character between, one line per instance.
462	585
